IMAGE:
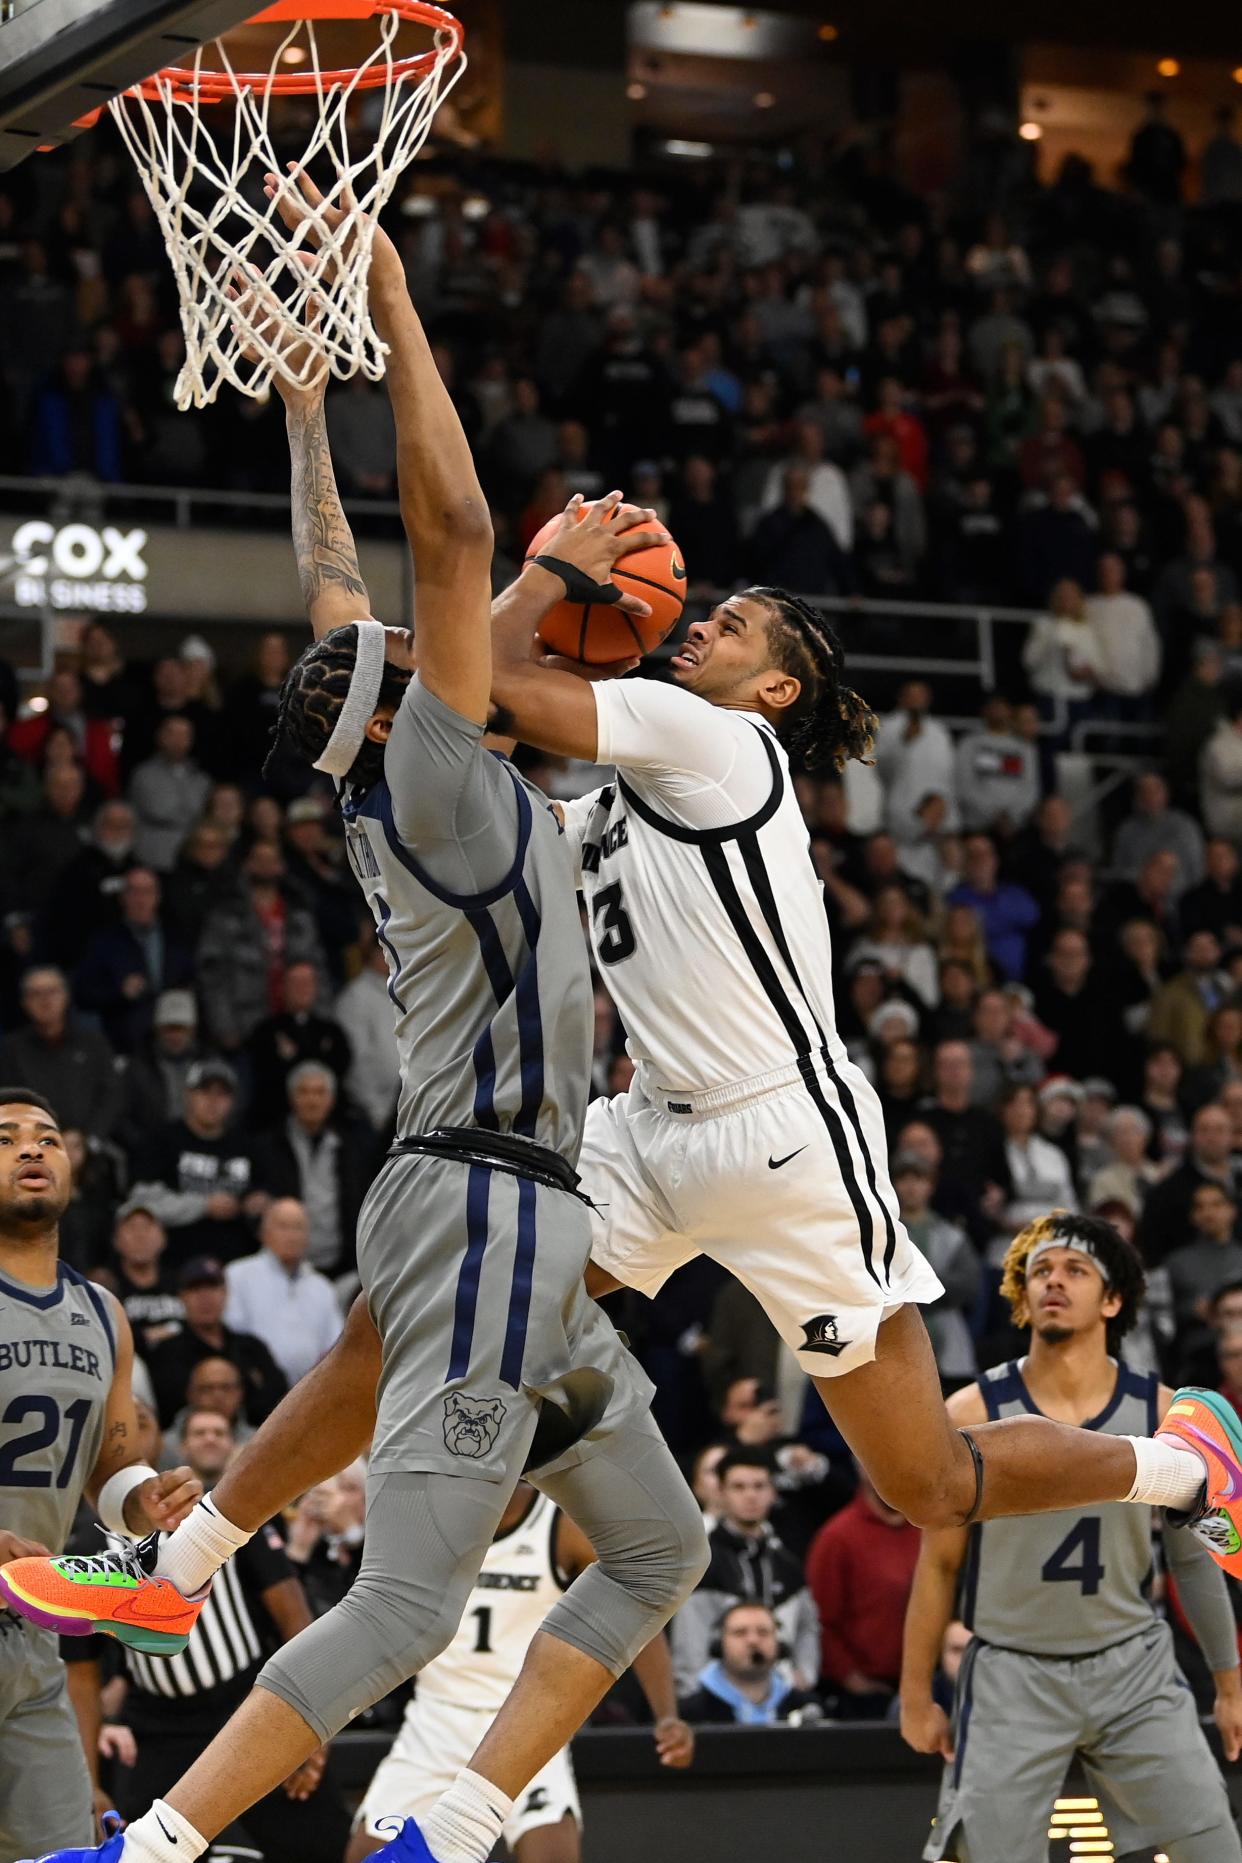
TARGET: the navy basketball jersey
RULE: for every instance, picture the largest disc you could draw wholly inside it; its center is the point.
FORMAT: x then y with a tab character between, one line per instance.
1068	1583
57	1355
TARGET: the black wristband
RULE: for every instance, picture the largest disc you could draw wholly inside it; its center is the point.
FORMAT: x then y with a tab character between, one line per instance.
579	587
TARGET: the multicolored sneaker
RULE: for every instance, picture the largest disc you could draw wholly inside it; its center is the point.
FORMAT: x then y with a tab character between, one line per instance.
407	1845
116	1593
1208	1423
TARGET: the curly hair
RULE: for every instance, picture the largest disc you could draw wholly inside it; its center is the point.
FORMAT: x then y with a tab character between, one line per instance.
311	698
828	725
1121	1260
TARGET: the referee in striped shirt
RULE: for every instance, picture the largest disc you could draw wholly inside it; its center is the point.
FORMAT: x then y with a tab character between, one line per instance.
175	1706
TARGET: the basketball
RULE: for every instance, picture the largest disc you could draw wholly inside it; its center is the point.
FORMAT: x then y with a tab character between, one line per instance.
596	633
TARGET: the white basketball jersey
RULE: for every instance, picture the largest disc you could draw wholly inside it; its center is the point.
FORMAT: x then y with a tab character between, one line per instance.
516	1588
713	941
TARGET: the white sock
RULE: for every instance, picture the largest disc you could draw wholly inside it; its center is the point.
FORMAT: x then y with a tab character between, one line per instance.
194	1553
162	1835
464	1825
1166	1474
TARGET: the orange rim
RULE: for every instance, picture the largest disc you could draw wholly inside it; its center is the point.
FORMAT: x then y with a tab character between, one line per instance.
218	87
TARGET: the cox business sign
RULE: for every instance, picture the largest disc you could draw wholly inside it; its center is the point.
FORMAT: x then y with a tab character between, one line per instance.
76	566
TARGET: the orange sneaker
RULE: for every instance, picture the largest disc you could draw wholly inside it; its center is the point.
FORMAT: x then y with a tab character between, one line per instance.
1208	1423
115	1593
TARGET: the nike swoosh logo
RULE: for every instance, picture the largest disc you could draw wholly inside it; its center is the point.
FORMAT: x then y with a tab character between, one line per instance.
168	1834
1229	1468
679	570
774	1164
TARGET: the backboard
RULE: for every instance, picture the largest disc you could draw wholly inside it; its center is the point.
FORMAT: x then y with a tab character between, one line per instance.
60	60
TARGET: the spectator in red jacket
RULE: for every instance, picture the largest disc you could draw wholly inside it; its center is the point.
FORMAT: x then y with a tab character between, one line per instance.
92	737
860	1569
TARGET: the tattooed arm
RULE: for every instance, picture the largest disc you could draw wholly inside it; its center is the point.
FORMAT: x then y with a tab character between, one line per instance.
332	585
162	1500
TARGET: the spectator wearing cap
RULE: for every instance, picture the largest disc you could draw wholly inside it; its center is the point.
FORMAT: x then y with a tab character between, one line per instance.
953	1257
168	792
1182	1009
214	1385
914	756
364	1011
1038	1170
127	965
1099	1096
58	1056
1006	911
277	1295
203	1292
324	1158
1209	1160
860	1570
195	1172
139	1277
997	773
299	1032
155	1076
246	947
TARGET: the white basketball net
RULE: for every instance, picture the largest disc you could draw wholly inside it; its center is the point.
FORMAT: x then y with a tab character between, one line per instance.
202	164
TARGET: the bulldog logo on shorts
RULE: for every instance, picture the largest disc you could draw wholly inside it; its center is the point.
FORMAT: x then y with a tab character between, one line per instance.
471	1424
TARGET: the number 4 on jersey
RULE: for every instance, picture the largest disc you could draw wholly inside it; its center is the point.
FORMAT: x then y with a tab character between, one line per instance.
1084	1538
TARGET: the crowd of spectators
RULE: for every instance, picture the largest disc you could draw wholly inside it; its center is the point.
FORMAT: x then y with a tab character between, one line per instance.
849	392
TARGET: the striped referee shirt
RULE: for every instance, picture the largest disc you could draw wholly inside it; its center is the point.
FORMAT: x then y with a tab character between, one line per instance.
228	1644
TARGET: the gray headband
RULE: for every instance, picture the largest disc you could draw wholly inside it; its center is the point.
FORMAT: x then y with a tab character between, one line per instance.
1079	1245
350	730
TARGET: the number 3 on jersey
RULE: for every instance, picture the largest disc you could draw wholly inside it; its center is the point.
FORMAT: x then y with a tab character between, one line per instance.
612	925
1084	1539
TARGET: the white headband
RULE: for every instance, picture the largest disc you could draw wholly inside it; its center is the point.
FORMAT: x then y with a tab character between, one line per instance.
1080	1245
356	713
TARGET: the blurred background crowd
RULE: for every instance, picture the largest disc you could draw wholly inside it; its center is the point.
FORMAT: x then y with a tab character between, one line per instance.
1029	396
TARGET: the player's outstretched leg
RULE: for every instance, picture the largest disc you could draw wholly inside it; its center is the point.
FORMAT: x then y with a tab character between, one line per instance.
892	1415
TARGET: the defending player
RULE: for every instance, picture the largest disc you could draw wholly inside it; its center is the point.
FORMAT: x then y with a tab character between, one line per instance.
1068	1655
67	1428
473	1239
537	1551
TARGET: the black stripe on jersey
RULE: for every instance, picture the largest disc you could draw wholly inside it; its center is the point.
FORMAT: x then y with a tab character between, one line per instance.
97	1300
717	863
704	837
753	861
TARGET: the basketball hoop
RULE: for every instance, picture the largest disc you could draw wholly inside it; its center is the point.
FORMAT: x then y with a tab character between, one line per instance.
307	301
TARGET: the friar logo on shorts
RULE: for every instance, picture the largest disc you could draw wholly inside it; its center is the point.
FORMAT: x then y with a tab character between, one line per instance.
471	1424
822	1335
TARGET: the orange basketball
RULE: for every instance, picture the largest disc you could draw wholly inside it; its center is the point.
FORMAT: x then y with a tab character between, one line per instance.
596	633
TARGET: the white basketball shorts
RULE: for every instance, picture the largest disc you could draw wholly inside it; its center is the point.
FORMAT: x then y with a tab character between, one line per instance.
782	1179
434	1743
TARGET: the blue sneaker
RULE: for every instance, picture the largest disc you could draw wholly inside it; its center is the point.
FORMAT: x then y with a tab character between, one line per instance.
407	1845
107	1852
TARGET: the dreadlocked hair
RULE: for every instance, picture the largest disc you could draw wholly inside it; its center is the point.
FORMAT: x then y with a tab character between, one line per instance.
828	724
1120	1259
311	698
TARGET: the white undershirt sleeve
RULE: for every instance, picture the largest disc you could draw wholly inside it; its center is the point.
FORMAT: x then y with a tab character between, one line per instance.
702	765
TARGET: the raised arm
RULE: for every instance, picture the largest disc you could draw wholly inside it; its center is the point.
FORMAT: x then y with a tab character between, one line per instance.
332	585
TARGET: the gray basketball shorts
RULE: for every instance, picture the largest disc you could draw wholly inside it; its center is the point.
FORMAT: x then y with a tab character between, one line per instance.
45	1792
1127	1713
474	1281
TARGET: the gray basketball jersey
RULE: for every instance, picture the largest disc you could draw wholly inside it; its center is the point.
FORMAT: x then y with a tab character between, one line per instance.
490	983
57	1355
1069	1583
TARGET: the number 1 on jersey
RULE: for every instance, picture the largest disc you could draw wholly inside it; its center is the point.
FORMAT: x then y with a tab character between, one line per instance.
483	1640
